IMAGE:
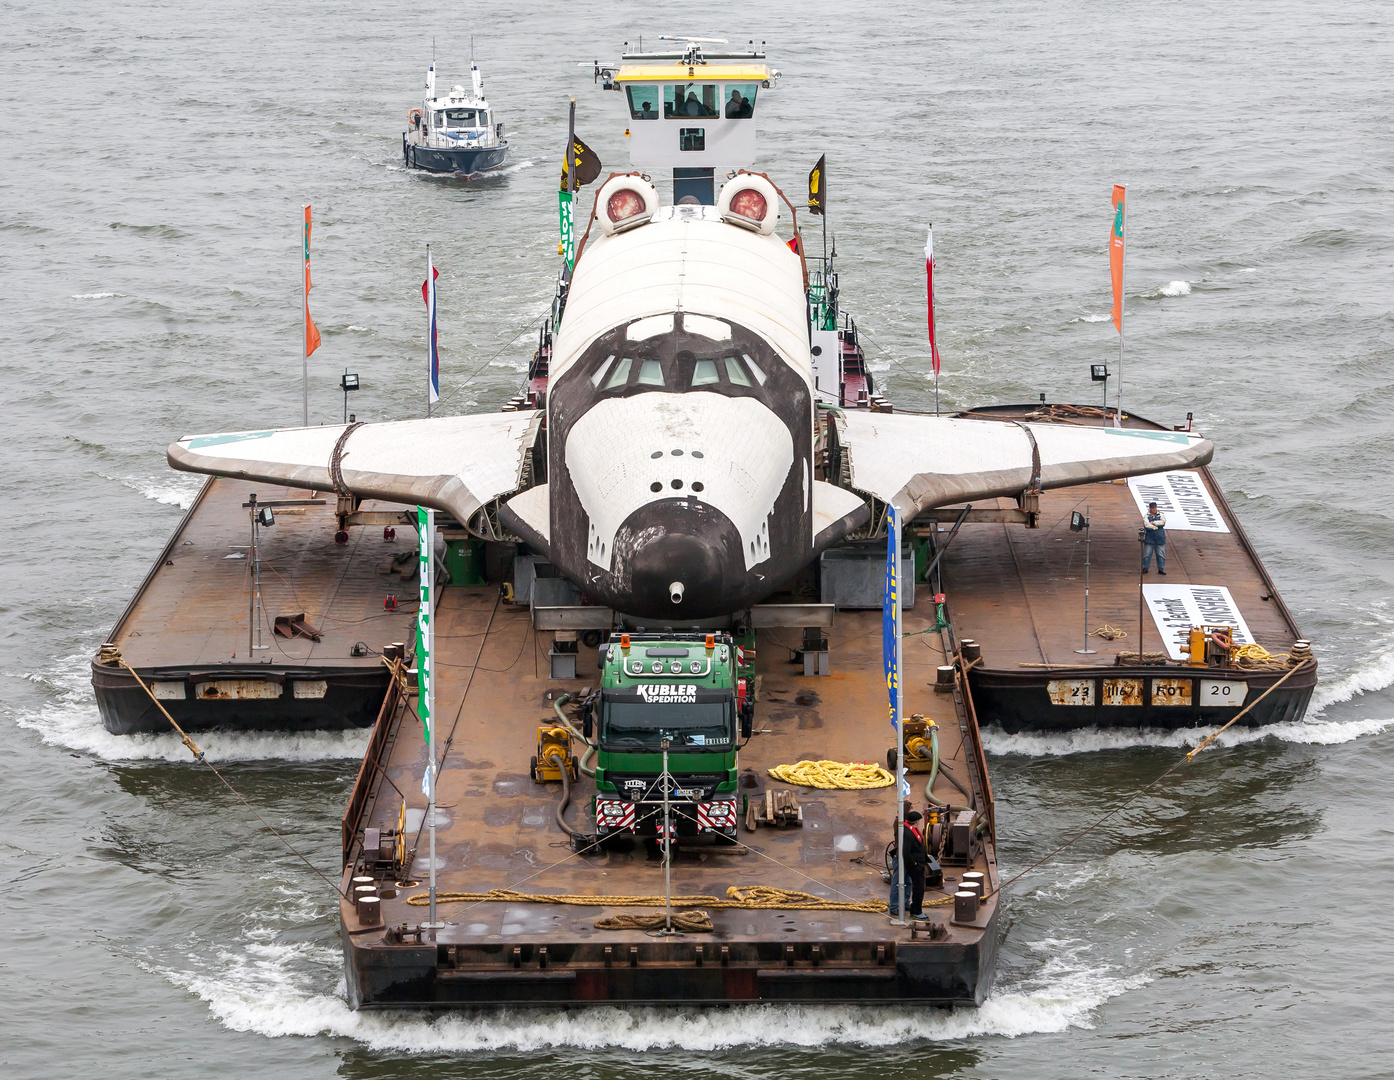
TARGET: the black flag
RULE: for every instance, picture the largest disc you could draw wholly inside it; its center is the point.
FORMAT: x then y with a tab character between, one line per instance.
587	164
818	187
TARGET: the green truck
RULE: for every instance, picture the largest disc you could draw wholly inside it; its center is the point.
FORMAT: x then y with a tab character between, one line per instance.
688	695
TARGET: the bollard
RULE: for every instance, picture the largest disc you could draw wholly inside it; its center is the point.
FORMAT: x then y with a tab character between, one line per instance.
965	905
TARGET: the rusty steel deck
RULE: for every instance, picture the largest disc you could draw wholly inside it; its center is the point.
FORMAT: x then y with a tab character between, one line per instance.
496	830
1019	592
187	626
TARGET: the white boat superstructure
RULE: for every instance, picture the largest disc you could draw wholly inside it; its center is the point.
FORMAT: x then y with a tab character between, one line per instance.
455	132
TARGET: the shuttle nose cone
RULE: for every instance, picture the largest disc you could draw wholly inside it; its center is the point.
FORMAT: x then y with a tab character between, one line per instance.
683	560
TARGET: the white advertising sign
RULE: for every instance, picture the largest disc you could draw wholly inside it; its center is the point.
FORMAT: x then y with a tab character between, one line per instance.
1182	497
1177	608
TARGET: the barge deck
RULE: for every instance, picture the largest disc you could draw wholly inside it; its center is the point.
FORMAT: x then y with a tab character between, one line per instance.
1019	593
186	630
496	830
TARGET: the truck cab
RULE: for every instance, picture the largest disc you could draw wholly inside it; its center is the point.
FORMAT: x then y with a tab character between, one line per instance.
683	697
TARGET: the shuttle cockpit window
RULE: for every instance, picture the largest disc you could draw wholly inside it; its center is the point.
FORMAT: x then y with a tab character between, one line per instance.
643	102
705	373
684	100
620	375
650	373
738	100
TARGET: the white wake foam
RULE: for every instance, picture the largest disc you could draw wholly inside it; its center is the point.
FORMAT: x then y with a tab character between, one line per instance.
71	721
268	989
1175	288
179	492
1374	674
1092	318
1093	740
96	295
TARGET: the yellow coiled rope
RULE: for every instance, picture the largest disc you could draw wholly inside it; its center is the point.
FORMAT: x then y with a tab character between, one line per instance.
833	774
1256	655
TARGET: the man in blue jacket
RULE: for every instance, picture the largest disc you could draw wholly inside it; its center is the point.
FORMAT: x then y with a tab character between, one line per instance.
1156	540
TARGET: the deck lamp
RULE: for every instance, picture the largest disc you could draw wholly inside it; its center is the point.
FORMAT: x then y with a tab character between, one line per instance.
1099	373
347	384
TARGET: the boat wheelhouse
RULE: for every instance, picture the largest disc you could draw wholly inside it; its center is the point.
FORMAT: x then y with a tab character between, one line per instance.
691	111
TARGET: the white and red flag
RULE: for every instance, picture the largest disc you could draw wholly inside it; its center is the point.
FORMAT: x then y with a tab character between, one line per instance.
929	289
428	293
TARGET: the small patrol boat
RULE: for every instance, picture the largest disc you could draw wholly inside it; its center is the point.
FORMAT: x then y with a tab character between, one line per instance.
456	133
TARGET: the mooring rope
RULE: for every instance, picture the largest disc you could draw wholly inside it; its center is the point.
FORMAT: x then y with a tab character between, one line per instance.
1190	756
114	654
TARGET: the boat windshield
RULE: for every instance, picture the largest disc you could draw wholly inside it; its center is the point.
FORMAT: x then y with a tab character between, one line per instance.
738	100
683	100
643	102
458	118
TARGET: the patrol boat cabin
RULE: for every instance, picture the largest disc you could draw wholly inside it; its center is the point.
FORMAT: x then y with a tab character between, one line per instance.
455	133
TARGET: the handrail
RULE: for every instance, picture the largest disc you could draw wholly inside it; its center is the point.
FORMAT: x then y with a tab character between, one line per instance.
371	766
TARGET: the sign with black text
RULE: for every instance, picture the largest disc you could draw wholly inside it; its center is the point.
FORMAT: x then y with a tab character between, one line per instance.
1177	608
1182	497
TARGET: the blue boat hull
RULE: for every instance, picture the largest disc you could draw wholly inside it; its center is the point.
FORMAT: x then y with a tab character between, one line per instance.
463	162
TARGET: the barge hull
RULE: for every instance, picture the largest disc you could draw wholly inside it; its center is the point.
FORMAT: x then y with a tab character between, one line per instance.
670	973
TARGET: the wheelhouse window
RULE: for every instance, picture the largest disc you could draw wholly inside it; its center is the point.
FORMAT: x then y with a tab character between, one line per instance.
458	118
643	102
682	100
738	100
438	119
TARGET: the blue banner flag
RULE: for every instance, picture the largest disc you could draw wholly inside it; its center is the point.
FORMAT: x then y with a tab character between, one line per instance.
890	613
425	641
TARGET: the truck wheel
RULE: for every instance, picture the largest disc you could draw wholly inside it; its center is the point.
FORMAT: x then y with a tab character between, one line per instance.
890	760
532	770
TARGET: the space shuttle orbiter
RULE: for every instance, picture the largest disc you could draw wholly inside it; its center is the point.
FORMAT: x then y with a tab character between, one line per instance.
680	422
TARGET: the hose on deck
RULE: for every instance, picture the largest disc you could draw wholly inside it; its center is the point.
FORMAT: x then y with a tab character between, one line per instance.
565	771
589	770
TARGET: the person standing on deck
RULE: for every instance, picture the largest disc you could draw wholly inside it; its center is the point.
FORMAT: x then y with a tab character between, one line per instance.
911	847
1156	540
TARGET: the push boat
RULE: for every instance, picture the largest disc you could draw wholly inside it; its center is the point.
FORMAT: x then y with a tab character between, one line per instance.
454	134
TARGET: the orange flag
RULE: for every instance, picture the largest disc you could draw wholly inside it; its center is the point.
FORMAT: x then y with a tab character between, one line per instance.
311	330
1115	255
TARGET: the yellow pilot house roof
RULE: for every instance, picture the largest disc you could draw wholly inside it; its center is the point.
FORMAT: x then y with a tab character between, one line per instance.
655	73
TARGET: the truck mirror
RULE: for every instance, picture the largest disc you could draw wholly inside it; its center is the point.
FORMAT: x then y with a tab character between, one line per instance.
588	722
747	722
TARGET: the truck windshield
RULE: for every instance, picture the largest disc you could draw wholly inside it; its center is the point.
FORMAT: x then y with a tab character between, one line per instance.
632	723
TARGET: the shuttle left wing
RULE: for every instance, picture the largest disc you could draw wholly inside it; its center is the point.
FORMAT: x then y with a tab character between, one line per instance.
452	463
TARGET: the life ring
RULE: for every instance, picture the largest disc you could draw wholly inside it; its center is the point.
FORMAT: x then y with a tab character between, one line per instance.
414	118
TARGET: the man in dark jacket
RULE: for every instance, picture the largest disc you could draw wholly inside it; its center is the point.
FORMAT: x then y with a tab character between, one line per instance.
911	848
